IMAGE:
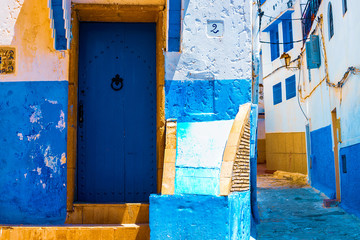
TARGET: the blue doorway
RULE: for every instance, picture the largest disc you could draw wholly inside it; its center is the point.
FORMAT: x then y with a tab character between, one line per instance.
116	139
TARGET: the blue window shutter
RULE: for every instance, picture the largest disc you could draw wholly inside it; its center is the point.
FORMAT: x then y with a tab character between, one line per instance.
287	35
174	25
330	21
277	93
274	39
313	57
290	84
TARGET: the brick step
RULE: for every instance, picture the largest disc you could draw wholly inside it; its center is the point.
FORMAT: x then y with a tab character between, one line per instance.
76	232
129	213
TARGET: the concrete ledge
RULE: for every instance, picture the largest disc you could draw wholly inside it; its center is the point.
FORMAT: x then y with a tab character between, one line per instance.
199	217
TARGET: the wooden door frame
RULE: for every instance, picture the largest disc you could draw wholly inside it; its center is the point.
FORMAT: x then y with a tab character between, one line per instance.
155	13
335	129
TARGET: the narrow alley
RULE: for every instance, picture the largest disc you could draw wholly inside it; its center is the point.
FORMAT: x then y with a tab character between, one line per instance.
290	209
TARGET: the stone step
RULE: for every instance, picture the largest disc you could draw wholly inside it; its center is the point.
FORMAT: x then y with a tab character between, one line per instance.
76	232
129	213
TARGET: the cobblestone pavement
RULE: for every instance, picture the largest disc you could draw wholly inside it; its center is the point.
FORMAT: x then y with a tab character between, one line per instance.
291	210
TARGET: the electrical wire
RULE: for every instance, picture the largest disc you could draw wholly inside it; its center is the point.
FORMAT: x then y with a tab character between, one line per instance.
297	41
298	97
289	19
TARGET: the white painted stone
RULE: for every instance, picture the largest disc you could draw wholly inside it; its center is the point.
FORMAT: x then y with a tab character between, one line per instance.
203	57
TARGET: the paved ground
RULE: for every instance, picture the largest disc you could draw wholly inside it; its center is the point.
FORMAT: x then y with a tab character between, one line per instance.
291	210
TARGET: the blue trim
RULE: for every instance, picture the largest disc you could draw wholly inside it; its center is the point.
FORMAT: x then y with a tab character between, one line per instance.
277	93
290	84
174	25
287	34
274	46
59	24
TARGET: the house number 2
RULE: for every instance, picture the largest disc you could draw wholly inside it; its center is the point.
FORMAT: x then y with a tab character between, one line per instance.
215	28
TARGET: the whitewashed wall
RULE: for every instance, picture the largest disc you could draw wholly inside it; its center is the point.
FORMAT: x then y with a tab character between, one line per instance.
204	57
342	52
286	116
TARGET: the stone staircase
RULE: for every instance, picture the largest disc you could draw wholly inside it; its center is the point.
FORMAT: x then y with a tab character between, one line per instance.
90	222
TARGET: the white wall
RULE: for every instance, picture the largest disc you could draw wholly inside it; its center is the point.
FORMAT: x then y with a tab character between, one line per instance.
285	116
25	24
342	52
204	57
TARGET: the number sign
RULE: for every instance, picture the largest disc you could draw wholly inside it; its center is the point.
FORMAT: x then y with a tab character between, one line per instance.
215	28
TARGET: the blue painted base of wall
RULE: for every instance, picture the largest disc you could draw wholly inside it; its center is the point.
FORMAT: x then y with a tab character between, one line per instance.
198	217
350	181
255	216
322	162
205	100
33	152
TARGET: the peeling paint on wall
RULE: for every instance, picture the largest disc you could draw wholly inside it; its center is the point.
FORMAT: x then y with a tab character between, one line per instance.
33	152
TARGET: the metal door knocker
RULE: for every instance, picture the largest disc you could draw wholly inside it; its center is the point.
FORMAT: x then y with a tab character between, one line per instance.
117	83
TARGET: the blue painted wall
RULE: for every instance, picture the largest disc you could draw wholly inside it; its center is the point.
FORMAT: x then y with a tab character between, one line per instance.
199	217
33	152
322	161
255	217
350	181
239	214
200	147
205	100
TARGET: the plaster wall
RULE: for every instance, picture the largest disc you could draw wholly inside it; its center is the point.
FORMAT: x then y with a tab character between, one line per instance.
285	116
33	110
342	51
345	100
211	76
26	25
208	58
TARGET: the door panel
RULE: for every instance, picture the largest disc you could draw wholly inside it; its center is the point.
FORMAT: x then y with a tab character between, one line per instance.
117	129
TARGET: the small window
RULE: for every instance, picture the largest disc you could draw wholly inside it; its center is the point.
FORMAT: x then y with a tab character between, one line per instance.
344	6
287	35
290	87
277	93
274	39
330	21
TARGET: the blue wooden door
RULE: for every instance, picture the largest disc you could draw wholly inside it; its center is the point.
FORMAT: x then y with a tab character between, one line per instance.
117	112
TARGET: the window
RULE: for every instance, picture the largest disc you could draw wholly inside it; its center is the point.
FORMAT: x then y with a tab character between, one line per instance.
344	6
290	84
287	35
274	39
277	93
330	21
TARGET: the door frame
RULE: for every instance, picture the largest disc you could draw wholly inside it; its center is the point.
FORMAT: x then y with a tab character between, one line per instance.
336	137
155	13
